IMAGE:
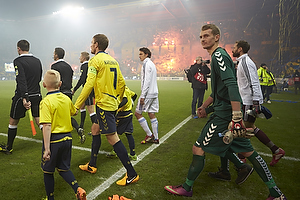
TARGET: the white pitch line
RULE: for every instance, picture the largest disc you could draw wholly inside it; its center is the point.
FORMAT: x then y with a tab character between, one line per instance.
40	141
106	184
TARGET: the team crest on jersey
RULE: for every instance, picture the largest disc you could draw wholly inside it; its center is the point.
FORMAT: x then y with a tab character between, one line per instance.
209	134
220	61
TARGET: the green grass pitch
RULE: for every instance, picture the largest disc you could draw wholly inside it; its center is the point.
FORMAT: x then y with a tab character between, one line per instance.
22	178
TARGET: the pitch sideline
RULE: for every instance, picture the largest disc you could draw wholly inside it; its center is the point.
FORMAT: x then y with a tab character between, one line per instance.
108	182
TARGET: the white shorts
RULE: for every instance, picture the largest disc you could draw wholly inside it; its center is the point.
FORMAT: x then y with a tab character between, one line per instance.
150	106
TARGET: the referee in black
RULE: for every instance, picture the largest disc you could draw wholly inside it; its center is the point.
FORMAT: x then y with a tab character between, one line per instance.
66	74
89	103
28	71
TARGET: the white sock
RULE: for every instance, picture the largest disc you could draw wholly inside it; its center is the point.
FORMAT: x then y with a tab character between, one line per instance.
144	125
154	124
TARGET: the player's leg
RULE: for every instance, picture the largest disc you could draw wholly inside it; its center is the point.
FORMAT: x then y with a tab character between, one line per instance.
63	167
154	125
195	169
96	143
143	122
131	175
49	185
200	97
82	116
152	106
249	120
91	110
194	102
262	169
16	113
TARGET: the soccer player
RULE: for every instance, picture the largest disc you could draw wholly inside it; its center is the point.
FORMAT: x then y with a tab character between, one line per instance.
225	100
66	74
105	77
148	100
28	71
250	91
89	103
124	122
55	111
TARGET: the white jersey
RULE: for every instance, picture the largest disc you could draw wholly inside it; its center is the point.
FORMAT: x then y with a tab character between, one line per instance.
148	80
248	82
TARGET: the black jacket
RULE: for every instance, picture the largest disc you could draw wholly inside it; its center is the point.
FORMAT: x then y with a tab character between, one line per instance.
66	74
203	69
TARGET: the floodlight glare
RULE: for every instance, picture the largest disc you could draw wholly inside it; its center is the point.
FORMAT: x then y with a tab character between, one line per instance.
71	11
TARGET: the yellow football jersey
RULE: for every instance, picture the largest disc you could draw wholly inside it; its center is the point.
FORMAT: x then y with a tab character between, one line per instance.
105	77
57	109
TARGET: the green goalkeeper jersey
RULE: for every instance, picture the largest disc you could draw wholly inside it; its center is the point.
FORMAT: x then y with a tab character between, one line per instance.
223	83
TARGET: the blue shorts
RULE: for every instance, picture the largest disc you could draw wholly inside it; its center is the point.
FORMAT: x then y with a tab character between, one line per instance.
61	149
106	121
124	122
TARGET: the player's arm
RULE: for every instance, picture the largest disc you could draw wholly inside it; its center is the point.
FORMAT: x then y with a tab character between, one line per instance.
46	136
123	102
21	79
202	110
147	81
81	79
88	87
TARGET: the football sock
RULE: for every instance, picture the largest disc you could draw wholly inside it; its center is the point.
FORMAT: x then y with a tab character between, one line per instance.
234	159
74	123
49	185
154	124
82	117
262	169
11	135
195	169
224	164
96	143
265	139
68	176
121	152
144	125
131	144
93	117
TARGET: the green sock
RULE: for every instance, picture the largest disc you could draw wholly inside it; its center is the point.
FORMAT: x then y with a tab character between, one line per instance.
195	169
233	158
262	169
224	164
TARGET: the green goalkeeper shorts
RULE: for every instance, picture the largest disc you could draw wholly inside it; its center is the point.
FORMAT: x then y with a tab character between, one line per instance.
210	141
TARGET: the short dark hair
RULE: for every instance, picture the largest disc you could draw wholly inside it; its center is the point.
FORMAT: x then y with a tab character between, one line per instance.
102	41
263	64
23	45
214	29
146	51
244	44
60	52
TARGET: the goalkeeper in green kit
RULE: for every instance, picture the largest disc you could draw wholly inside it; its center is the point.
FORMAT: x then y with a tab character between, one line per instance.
225	102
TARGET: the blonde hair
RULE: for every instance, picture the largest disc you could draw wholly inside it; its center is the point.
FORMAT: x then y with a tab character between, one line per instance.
85	55
52	79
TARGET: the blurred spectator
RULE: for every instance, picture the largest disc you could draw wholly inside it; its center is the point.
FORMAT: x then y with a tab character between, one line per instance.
297	80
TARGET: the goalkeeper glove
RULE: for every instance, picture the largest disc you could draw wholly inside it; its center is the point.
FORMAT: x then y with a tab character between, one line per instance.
237	126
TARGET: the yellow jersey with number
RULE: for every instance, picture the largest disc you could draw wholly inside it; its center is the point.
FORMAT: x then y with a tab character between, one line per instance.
105	77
